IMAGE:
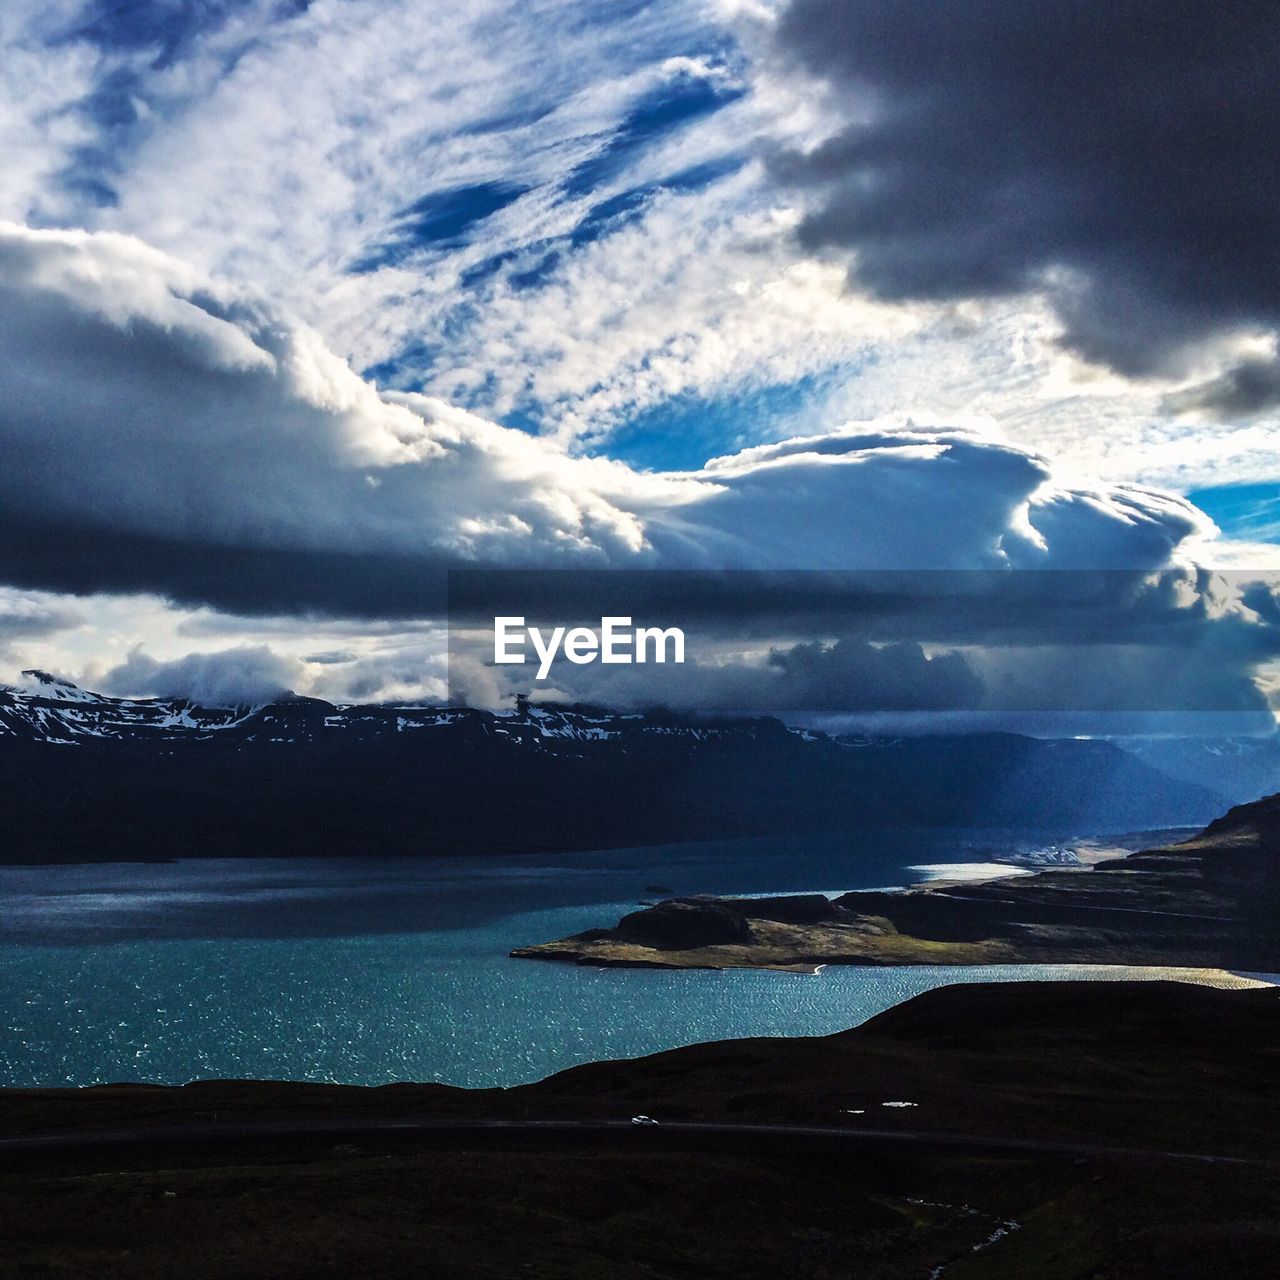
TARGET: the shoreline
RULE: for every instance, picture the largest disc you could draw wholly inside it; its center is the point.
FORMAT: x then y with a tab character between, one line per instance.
1201	904
518	854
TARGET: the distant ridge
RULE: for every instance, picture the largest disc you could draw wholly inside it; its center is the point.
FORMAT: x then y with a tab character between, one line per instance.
84	776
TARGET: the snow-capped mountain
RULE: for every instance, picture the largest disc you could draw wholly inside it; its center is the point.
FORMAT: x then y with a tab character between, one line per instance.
51	710
88	777
45	708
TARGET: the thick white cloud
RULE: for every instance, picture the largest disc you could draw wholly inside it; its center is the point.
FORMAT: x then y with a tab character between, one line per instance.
190	420
227	677
145	399
921	497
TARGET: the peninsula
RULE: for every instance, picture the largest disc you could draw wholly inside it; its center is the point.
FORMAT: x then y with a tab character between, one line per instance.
1209	902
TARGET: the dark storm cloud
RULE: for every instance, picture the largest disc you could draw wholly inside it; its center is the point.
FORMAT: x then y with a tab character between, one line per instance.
1075	641
1124	151
249	581
852	675
1251	387
1174	609
848	676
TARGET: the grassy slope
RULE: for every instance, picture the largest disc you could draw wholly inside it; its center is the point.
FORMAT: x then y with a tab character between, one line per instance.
1158	1066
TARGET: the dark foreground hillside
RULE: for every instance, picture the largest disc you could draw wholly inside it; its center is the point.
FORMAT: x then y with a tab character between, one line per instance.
1059	1131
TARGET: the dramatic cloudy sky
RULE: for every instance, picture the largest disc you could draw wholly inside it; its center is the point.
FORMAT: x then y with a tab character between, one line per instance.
302	303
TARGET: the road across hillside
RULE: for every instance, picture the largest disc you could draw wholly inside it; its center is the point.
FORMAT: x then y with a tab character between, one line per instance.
681	1132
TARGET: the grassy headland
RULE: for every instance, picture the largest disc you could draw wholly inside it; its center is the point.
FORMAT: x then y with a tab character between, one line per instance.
1210	902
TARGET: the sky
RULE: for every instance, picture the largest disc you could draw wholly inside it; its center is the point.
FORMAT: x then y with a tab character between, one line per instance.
304	303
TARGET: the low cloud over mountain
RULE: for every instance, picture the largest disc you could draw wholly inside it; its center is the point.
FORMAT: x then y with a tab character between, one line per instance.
225	678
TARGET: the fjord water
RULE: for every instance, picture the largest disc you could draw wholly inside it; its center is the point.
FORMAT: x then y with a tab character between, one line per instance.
377	970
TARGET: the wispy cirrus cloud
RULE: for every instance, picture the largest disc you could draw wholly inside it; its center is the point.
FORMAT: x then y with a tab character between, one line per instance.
553	215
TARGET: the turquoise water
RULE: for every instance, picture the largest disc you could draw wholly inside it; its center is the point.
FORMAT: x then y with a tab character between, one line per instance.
382	970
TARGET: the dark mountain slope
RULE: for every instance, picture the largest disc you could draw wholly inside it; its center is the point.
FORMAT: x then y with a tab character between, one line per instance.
84	777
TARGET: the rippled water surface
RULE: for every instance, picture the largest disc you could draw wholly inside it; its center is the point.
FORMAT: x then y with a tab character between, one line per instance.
379	970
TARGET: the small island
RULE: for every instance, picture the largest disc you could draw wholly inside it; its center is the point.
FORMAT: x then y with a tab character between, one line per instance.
1209	902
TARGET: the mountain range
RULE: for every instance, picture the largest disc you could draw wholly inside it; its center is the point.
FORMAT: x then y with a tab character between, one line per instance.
87	777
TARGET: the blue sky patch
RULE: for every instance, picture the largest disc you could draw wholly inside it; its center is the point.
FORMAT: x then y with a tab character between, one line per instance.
680	434
441	218
659	113
1250	512
626	206
167	26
